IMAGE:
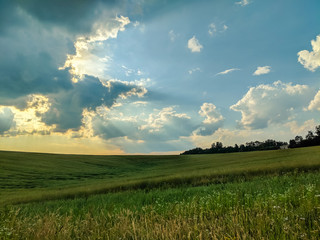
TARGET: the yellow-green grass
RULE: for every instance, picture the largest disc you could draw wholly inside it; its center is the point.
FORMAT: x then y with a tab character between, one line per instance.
27	177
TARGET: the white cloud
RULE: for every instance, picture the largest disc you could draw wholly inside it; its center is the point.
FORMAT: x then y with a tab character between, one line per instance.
311	60
160	130
274	103
210	112
302	129
228	71
262	70
172	35
191	71
194	45
129	72
136	23
229	137
213	120
158	120
243	2
140	26
212	29
215	28
140	103
315	103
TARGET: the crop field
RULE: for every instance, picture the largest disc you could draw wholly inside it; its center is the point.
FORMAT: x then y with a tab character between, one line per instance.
253	195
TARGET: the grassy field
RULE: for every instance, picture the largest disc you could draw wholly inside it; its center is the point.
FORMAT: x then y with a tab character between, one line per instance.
254	195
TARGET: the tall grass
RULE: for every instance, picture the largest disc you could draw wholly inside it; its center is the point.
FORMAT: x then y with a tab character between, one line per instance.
279	207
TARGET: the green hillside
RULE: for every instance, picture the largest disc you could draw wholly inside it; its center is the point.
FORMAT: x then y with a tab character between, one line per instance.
26	177
253	195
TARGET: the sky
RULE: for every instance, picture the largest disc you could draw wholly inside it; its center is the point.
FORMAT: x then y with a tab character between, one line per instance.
156	76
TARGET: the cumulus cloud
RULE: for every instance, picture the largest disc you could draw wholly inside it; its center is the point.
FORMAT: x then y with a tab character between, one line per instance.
215	28
274	103
243	3
210	112
162	129
191	71
212	29
262	70
311	60
168	124
213	120
172	35
6	119
194	45
302	129
315	103
229	137
228	71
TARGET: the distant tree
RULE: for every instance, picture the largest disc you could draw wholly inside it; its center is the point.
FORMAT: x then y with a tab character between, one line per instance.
298	139
257	143
310	136
318	131
292	143
250	144
242	148
312	139
219	145
236	148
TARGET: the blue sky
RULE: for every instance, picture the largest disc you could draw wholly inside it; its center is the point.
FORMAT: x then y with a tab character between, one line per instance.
130	77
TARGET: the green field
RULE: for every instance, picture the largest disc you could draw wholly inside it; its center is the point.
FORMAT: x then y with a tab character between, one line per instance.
253	195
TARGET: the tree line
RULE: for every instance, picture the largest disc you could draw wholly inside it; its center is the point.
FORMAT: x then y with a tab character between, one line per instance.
311	139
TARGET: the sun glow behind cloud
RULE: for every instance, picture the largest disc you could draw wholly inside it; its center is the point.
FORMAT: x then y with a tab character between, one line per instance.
85	61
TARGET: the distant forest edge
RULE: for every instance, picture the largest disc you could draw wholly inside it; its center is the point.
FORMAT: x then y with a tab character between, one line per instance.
311	139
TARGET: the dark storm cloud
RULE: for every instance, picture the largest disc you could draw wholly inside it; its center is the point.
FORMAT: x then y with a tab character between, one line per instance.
89	93
35	38
37	73
30	55
76	16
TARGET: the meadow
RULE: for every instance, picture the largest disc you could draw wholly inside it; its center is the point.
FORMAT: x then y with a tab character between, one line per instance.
254	195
